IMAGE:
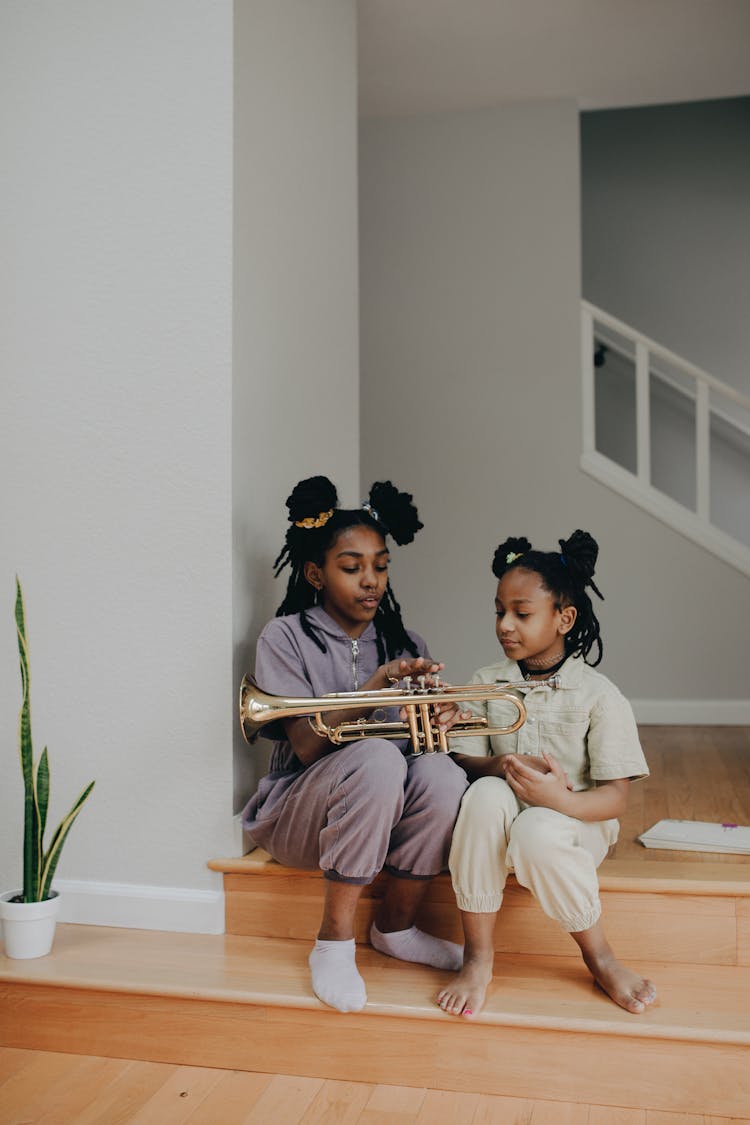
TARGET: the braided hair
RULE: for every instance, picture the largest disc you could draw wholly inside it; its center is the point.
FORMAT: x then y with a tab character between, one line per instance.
315	525
565	575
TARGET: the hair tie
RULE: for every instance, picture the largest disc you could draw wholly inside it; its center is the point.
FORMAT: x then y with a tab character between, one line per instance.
367	507
512	556
563	560
315	521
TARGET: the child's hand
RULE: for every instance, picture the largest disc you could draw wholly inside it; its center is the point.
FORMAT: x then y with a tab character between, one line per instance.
448	714
396	670
549	790
529	760
445	714
536	763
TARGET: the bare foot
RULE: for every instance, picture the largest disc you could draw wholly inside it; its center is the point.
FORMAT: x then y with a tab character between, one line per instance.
632	992
465	997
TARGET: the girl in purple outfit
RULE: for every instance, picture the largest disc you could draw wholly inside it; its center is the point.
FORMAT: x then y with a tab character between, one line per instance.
352	809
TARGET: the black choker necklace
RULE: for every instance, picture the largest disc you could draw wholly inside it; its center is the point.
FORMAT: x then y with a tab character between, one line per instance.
536	673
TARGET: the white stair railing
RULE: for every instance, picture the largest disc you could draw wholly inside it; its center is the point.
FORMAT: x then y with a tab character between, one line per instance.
712	401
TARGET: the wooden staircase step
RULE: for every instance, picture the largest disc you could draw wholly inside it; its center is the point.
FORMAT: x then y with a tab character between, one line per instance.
245	1003
693	914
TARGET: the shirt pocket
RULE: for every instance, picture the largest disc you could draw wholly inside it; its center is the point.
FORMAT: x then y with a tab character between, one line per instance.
564	737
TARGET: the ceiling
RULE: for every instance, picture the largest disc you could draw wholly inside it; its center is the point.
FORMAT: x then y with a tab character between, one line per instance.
428	56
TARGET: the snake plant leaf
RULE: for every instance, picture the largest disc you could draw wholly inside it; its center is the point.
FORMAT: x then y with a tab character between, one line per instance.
38	866
53	854
41	799
31	837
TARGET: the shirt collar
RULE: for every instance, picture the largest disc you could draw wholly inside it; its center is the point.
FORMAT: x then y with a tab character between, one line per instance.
331	628
570	675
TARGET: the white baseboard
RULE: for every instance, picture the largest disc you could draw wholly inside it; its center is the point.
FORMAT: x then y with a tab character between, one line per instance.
129	905
693	712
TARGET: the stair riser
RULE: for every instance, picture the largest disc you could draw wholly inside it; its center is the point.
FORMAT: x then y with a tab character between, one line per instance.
608	1070
710	930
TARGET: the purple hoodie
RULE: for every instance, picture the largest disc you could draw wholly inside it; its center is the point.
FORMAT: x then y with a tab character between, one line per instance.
289	663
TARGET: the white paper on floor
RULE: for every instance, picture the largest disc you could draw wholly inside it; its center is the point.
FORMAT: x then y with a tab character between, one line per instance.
698	836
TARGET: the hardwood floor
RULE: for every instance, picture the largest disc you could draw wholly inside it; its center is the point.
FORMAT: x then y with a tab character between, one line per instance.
697	773
190	1003
60	1089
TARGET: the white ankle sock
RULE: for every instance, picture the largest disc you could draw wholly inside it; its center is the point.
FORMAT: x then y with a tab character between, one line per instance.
416	945
335	978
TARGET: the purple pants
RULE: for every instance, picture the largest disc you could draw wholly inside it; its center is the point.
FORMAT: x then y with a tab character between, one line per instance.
359	809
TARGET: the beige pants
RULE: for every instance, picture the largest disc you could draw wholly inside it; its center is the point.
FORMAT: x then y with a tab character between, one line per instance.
555	856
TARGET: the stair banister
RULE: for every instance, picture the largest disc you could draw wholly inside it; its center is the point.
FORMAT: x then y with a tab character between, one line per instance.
695	524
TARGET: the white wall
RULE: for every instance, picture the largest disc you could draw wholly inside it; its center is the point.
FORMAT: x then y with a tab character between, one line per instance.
469	320
470	288
666	227
295	387
115	290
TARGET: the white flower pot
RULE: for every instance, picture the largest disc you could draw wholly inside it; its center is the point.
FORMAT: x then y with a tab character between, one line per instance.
28	927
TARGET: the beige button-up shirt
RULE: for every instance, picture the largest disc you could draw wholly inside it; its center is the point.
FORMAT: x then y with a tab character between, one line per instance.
586	724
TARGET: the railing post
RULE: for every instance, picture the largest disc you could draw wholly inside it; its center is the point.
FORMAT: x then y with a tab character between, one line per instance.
643	413
588	389
702	451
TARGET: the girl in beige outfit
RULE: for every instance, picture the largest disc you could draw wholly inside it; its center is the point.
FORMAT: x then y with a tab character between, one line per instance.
544	801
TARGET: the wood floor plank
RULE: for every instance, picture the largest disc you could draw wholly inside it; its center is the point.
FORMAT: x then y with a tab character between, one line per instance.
18	1093
232	1099
71	1093
284	1099
123	1098
397	1105
178	1097
610	1115
445	1107
235	1096
338	1103
551	1113
495	1109
12	1061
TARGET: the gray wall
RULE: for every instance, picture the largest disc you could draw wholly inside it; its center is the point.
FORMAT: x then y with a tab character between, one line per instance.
666	227
469	322
295	387
470	369
145	453
115	286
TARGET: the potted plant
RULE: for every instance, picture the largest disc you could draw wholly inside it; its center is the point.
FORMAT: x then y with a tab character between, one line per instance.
29	915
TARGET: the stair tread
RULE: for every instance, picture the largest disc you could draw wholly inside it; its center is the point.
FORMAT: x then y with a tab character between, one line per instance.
697	1002
655	876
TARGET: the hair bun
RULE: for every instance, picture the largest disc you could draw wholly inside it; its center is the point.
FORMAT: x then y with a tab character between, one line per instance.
579	553
507	552
396	511
311	497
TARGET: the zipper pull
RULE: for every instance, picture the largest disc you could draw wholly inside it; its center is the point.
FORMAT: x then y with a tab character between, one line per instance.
355	654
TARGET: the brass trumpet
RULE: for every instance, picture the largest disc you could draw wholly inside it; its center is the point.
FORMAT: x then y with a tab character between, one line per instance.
257	708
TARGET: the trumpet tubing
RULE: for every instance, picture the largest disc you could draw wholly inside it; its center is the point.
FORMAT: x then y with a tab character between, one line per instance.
258	708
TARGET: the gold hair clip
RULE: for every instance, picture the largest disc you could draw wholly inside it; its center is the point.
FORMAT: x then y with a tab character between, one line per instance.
512	556
315	521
